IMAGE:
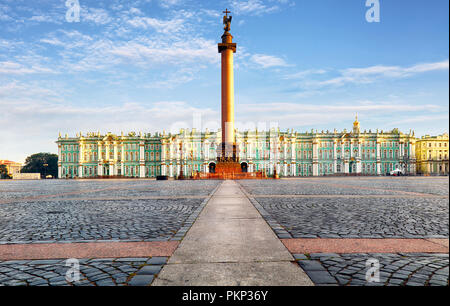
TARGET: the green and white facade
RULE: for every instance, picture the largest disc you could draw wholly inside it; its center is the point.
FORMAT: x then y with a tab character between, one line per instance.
290	153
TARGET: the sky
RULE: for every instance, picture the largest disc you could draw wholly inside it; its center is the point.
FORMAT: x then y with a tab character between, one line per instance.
153	65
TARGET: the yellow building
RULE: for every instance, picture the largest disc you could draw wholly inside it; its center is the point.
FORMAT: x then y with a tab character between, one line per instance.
11	167
432	155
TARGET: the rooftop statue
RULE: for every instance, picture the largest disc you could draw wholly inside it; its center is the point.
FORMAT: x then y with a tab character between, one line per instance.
227	21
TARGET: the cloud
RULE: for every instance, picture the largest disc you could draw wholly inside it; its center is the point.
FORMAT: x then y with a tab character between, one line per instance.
169	3
14	68
252	7
305	74
374	73
268	61
97	16
161	26
258	7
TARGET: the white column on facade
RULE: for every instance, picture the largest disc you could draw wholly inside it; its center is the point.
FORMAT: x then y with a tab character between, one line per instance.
315	157
206	146
116	156
334	156
358	158
412	157
141	160
346	166
107	146
163	158
108	157
59	161
80	171
100	159
293	158
171	159
80	159
351	149
122	155
378	157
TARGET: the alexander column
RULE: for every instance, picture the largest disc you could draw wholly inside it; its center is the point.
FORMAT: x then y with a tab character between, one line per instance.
228	151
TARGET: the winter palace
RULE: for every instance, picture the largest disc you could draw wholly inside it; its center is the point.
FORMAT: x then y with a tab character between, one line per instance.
288	153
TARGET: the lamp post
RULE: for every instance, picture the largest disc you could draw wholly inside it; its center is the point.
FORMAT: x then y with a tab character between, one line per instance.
45	170
181	161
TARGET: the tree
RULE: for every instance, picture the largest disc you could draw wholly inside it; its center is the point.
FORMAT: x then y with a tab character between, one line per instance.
43	163
4	172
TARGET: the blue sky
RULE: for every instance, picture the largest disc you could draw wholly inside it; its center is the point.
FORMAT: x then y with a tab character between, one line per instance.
149	65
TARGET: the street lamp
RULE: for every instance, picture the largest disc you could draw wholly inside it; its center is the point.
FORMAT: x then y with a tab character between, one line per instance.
45	170
181	161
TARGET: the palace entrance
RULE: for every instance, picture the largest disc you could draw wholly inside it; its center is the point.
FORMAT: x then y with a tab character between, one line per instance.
212	168
244	167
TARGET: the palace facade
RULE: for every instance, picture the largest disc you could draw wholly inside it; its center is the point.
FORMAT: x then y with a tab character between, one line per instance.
288	153
432	155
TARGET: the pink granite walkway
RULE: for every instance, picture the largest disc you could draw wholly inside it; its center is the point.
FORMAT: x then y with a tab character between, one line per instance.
87	250
325	245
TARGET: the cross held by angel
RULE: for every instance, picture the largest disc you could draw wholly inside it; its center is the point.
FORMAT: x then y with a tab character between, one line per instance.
227	21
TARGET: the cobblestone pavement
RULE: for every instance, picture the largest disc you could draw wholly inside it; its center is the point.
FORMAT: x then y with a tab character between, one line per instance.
77	220
93	272
394	269
349	186
13	191
331	216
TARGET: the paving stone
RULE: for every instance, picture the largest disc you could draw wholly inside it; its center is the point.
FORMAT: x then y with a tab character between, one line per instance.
149	270
311	265
157	261
141	280
105	282
321	277
300	257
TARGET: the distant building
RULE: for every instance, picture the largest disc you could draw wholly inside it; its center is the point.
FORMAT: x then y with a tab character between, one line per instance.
432	155
290	153
11	167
